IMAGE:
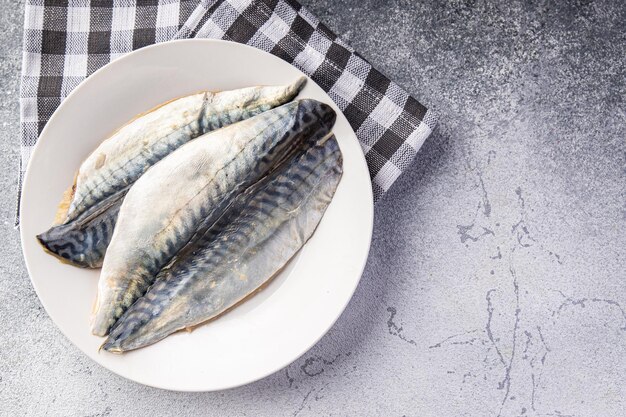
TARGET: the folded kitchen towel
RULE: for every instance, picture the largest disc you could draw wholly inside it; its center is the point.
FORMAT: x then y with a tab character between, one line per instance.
66	41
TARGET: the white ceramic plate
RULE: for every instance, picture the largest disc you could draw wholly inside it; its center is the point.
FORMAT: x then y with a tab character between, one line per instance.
265	333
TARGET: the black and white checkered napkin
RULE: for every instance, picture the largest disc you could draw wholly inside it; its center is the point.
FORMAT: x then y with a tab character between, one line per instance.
66	41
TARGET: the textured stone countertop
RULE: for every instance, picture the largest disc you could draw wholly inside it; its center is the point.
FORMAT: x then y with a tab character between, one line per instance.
495	285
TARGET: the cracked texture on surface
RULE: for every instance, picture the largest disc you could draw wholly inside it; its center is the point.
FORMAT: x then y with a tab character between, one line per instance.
495	283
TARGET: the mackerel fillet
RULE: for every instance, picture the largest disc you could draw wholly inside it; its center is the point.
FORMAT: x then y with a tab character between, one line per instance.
225	263
88	214
191	187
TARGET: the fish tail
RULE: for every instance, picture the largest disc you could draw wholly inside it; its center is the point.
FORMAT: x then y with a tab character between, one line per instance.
66	243
110	346
319	115
127	331
276	95
83	241
282	94
295	88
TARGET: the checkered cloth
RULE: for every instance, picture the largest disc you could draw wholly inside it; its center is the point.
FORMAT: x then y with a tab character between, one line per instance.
66	41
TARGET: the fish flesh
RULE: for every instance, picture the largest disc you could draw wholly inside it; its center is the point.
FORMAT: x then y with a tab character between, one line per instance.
88	214
194	184
226	262
263	228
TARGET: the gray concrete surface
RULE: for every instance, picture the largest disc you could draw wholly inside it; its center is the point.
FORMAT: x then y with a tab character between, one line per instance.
495	284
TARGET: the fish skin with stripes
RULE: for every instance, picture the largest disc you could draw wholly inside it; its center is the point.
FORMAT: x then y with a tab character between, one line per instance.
226	262
190	187
88	214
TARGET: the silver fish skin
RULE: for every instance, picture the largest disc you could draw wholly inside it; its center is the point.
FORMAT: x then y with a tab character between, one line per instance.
191	187
257	235
105	176
83	241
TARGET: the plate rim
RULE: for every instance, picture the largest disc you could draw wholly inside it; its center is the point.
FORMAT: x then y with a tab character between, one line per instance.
36	150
